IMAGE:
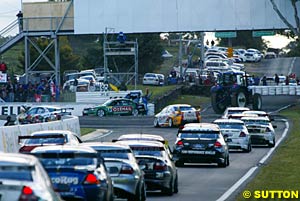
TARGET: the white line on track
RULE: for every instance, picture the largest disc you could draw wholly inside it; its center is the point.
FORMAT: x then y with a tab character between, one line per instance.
250	172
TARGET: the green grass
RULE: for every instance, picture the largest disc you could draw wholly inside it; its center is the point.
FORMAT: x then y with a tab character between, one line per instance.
85	131
195	101
156	91
281	172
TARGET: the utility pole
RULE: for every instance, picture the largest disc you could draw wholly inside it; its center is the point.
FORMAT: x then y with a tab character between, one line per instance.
180	55
202	51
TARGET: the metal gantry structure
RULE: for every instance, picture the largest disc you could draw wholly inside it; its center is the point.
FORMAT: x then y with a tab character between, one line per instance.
116	48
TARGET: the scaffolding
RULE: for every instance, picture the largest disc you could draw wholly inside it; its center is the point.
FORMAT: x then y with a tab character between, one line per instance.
115	48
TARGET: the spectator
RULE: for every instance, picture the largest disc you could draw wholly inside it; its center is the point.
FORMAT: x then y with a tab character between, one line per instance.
9	122
10	88
20	20
287	81
3	67
276	79
264	81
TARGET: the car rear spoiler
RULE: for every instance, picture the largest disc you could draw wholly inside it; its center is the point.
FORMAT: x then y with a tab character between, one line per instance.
39	137
67	155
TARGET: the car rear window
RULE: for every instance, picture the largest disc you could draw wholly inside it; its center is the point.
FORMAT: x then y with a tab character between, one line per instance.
20	173
68	162
152	151
38	141
198	135
256	121
122	154
230	125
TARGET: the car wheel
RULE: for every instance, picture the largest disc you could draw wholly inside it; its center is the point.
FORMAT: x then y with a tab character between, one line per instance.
169	191
135	112
144	196
170	123
272	145
223	164
100	113
176	185
179	163
156	124
136	197
249	149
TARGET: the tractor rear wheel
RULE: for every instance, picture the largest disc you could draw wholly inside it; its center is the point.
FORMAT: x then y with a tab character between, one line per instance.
218	102
257	102
239	99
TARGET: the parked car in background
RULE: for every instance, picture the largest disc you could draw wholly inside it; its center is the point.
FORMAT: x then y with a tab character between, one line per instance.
151	79
83	85
176	115
159	168
252	57
47	137
201	143
236	133
122	166
270	55
22	177
166	54
118	106
77	173
161	78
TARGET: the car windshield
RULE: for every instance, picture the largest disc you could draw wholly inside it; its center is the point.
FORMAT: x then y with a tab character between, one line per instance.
151	151
21	173
230	126
108	102
198	135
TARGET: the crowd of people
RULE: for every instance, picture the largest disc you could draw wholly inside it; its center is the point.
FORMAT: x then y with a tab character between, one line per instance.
12	91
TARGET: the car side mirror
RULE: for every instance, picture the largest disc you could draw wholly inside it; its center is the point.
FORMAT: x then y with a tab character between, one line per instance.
114	140
274	126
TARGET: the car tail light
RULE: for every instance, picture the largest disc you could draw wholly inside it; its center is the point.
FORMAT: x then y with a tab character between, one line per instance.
160	166
91	179
26	149
27	194
242	134
179	143
218	144
126	169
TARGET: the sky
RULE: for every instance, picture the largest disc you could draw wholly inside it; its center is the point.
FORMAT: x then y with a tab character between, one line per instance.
9	9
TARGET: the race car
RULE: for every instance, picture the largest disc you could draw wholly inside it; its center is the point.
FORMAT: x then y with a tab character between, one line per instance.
42	113
118	106
177	115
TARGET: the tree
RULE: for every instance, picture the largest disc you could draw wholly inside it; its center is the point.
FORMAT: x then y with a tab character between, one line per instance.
244	39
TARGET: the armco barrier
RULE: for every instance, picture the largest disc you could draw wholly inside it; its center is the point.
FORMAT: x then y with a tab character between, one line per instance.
9	134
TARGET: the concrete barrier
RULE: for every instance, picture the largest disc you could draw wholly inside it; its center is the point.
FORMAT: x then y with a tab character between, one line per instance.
9	134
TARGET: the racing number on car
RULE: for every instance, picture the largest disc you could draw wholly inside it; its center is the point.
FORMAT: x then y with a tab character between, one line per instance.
122	109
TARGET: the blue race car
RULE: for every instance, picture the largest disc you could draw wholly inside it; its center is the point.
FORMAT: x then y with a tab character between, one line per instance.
76	172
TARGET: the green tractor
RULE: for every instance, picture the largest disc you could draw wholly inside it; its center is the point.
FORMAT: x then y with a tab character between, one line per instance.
232	89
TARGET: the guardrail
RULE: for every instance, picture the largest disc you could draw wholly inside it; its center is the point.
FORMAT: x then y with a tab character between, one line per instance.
9	134
276	90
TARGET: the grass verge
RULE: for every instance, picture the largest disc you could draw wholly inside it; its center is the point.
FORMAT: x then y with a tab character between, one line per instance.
85	131
281	172
195	101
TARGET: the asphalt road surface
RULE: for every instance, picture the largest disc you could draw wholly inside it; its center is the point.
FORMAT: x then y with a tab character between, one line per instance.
205	182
